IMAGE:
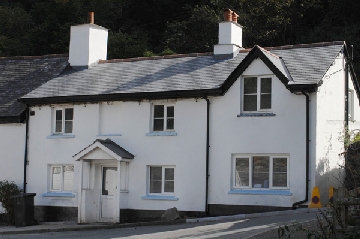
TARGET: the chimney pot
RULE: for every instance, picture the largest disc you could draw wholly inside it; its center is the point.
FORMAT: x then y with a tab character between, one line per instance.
234	17
228	15
91	17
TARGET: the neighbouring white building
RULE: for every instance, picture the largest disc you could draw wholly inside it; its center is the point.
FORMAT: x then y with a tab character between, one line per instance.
19	76
234	131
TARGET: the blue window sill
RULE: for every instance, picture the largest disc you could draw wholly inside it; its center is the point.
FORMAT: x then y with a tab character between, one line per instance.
60	136
161	133
108	135
160	197
260	192
59	194
256	115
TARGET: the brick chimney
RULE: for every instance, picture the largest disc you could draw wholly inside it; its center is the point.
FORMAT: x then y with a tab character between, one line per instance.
88	44
230	36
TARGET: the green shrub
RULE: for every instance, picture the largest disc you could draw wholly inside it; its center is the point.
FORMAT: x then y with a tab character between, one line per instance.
8	189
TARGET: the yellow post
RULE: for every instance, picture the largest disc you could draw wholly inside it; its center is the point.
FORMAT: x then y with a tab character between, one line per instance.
315	198
331	196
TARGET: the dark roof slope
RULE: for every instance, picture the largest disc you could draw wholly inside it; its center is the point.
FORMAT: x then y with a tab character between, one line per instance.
183	76
19	76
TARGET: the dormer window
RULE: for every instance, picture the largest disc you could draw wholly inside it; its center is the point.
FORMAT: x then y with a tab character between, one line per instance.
257	94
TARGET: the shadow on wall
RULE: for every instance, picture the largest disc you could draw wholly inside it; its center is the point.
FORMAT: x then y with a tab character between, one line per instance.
326	178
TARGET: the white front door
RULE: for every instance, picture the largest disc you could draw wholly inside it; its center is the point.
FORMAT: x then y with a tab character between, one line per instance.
108	192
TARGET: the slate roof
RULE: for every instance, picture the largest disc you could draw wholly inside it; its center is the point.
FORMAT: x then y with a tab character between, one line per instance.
19	76
178	74
111	145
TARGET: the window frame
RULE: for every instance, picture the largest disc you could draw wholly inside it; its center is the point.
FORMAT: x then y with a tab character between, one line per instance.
258	93
162	180
63	120
251	169
165	118
51	167
351	105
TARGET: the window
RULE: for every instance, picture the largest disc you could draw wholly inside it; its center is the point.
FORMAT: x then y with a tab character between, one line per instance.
161	180
64	121
163	119
351	105
258	172
61	178
257	94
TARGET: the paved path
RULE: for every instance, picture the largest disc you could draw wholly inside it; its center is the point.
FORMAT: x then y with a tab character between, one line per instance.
263	225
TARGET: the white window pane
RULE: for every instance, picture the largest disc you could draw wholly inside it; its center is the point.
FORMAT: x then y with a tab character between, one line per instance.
280	180
261	171
68	177
58	114
56	178
250	102
169	174
69	113
266	85
155	179
242	172
170	124
158	124
58	126
109	181
68	127
170	111
279	172
169	187
265	101
250	85
158	111
169	180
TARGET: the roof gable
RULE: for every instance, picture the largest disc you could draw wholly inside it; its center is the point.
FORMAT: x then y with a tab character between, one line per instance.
272	61
109	147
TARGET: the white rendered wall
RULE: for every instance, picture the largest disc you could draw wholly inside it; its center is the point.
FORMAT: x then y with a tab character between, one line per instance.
330	108
280	134
186	151
12	151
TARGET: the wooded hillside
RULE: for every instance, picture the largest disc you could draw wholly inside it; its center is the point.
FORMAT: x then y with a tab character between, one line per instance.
149	27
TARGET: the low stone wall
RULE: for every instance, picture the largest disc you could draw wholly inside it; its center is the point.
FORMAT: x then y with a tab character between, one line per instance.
55	214
133	215
225	210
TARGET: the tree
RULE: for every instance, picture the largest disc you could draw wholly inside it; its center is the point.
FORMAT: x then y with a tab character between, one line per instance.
198	33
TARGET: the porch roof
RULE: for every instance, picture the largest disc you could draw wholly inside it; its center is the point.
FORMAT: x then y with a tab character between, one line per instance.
108	146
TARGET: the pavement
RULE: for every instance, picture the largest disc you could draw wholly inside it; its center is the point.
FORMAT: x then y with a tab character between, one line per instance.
73	226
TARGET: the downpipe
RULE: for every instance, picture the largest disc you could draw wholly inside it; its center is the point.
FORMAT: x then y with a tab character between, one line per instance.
294	206
207	155
26	146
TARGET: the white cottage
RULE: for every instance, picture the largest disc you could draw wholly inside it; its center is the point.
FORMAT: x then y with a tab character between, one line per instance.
234	131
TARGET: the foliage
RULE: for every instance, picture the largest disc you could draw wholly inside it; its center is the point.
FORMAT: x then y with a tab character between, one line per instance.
137	27
8	189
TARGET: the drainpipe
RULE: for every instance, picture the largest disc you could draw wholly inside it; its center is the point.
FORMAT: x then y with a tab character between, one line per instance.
346	96
307	151
207	155
26	146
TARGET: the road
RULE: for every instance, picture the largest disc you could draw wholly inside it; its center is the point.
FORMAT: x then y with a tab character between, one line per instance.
221	229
